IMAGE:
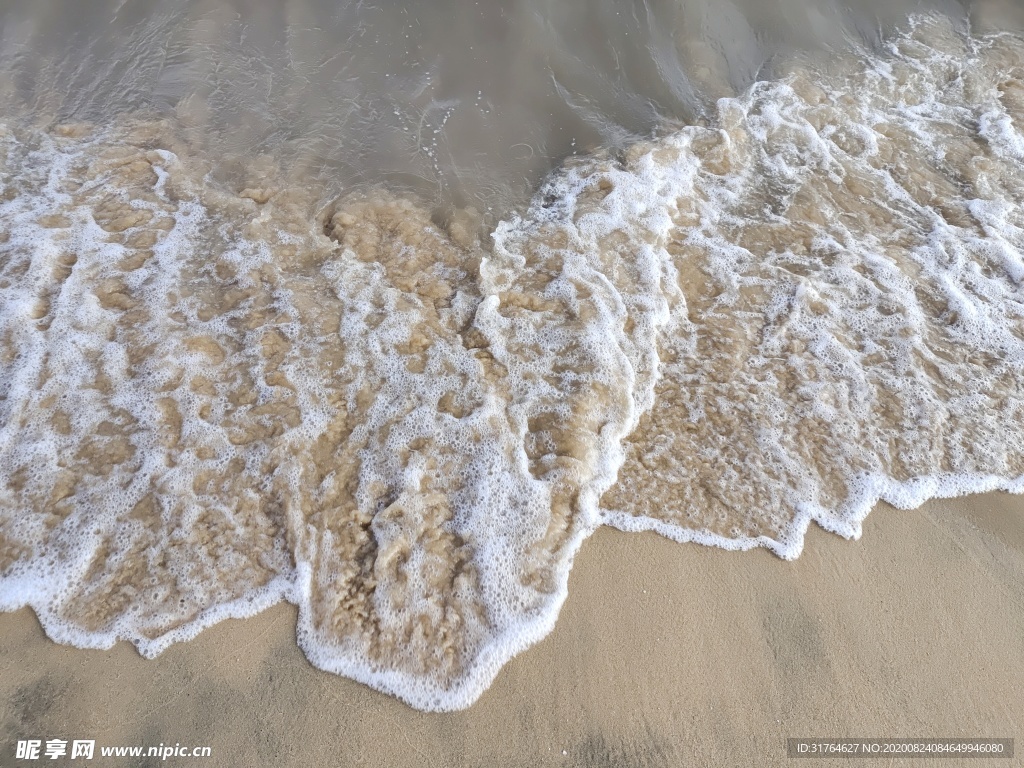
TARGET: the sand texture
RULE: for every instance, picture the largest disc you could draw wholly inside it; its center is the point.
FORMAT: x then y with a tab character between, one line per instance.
664	655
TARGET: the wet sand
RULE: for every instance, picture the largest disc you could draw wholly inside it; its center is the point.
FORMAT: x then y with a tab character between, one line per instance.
664	655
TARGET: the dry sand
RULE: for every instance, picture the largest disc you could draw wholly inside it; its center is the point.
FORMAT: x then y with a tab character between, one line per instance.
664	655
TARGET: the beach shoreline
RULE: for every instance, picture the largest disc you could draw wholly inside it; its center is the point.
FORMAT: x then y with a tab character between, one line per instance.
664	655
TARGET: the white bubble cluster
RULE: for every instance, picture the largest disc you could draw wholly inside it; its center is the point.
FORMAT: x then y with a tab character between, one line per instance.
220	394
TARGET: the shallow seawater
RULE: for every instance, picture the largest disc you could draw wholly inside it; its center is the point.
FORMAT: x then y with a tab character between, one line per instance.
383	311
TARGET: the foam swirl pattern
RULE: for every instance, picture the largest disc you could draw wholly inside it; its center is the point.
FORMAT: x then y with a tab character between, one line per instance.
216	395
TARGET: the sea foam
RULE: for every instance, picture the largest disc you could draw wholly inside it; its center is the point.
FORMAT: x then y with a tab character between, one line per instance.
218	395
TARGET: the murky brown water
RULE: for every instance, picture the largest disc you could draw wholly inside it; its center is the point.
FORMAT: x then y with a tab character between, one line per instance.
466	103
285	316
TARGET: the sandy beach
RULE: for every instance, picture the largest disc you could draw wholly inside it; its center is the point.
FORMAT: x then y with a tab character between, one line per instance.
382	308
664	655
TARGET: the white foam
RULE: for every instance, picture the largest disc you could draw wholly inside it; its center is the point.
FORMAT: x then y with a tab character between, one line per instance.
810	306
